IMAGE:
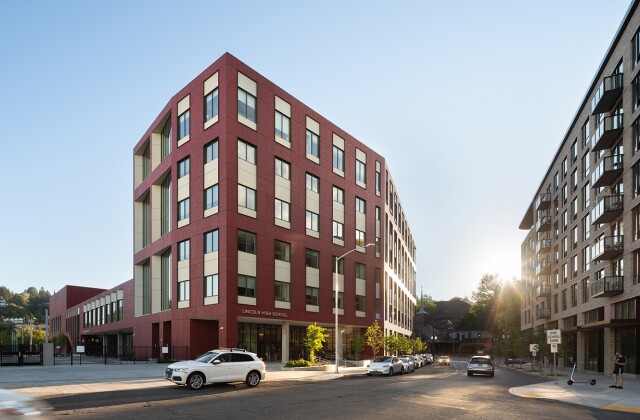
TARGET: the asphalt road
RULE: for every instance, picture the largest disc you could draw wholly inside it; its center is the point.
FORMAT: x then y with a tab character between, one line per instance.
431	392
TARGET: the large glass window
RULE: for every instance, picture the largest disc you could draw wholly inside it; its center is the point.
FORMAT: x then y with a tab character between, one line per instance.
282	210
183	250
360	300
312	221
246	197
338	158
313	144
165	139
165	280
211	151
283	125
246	286
184	167
211	105
246	242
313	183
361	172
211	285
282	251
211	197
183	209
146	289
338	195
360	238
338	230
281	291
312	296
340	300
361	205
246	105
211	241
183	125
361	271
282	169
313	258
183	290
246	152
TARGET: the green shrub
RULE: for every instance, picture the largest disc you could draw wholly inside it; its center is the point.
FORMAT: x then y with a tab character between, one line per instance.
298	363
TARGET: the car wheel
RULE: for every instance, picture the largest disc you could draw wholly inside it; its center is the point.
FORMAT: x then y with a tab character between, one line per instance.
469	374
491	374
402	371
195	381
368	374
390	370
253	378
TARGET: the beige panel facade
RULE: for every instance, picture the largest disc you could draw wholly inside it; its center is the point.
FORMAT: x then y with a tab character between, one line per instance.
313	277
282	271
246	264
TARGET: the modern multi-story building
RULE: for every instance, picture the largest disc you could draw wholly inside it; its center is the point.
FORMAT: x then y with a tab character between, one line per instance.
580	268
244	199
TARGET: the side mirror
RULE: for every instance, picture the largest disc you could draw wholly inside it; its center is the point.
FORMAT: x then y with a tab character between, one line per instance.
216	362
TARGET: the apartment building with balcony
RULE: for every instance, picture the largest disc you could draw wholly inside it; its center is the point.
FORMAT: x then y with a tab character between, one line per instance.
243	200
580	266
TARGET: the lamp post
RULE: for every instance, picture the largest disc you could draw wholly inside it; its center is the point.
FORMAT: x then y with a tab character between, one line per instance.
335	275
434	339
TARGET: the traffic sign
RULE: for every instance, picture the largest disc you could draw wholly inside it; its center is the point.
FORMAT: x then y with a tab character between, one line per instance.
533	348
554	348
554	337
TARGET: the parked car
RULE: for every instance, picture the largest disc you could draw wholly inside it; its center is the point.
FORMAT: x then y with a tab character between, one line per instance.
221	365
429	358
408	363
16	404
444	360
480	364
418	360
385	365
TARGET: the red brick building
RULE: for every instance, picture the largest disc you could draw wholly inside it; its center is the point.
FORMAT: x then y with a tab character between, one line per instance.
243	198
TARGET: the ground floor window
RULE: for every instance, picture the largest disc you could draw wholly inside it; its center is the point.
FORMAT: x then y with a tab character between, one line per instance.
626	344
594	351
263	339
570	348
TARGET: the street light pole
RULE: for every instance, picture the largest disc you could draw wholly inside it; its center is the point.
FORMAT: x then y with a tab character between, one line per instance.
453	337
335	275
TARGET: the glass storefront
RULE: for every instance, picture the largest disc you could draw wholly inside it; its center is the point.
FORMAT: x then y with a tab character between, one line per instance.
594	351
569	348
263	339
626	341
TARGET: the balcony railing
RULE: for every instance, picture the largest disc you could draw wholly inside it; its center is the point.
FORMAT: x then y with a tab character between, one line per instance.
543	290
607	209
543	268
607	286
544	313
607	248
543	201
607	94
543	246
543	224
607	171
606	133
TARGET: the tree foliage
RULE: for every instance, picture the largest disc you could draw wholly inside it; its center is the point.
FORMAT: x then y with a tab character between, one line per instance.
374	337
316	336
21	305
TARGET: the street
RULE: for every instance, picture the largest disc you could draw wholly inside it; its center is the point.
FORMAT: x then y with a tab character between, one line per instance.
432	391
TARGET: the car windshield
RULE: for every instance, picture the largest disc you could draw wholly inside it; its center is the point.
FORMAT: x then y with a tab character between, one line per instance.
405	359
207	357
479	361
381	359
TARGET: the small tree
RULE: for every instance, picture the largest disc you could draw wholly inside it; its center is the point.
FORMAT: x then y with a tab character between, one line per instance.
391	344
375	338
418	346
316	335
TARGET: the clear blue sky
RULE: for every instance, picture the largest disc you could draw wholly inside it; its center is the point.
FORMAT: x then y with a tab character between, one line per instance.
468	101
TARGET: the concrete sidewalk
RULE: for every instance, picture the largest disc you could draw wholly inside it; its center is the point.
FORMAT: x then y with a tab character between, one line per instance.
47	381
597	396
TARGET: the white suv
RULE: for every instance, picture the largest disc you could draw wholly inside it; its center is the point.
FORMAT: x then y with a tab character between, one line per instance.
222	365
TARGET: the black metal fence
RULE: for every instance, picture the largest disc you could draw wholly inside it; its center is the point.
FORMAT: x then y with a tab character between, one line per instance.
20	355
122	355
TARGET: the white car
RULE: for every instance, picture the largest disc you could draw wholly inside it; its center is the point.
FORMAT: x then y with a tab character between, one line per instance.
385	365
222	365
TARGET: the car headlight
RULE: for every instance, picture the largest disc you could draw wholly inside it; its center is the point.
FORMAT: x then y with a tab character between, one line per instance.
385	366
180	369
